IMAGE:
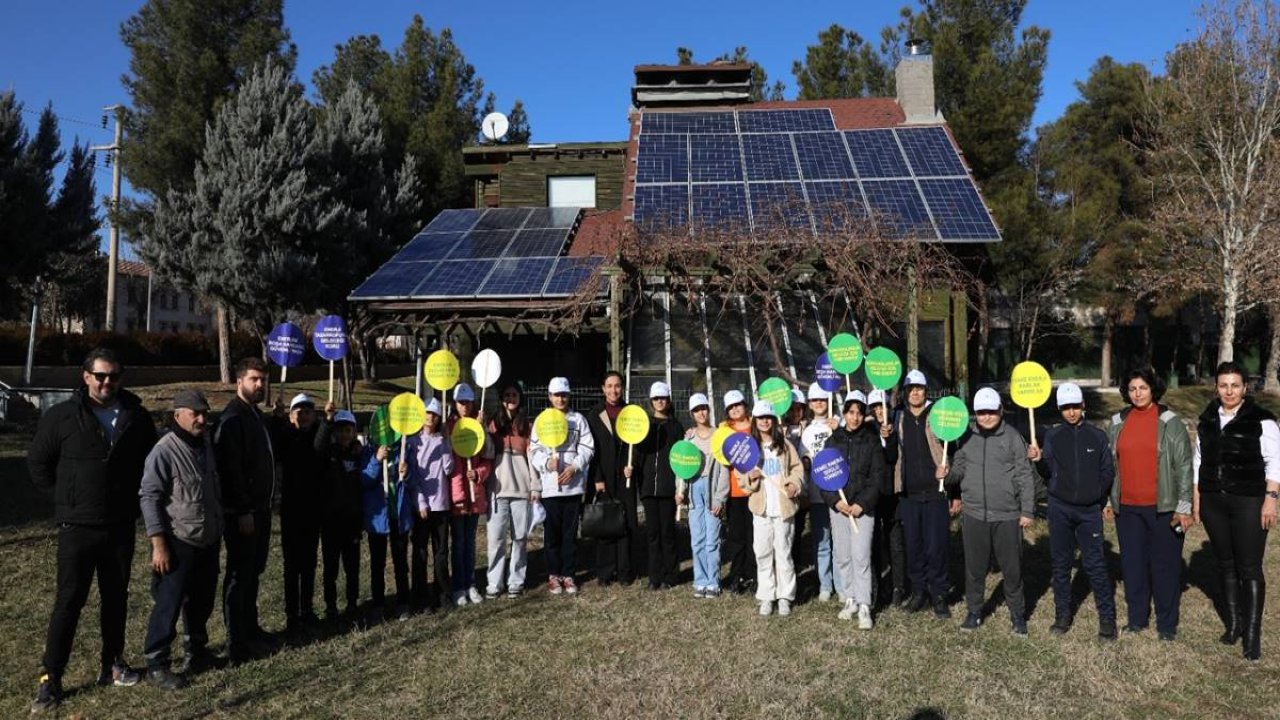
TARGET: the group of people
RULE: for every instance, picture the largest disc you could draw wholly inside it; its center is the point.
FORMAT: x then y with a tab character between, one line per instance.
880	540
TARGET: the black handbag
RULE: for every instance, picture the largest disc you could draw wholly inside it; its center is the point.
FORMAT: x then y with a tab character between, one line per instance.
604	519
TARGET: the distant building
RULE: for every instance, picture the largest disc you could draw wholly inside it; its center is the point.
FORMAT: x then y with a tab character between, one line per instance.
144	304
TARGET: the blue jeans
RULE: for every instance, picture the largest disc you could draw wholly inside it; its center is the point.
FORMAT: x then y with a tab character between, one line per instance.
820	527
463	530
704	531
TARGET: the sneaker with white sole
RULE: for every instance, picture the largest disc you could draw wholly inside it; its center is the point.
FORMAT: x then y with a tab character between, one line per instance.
824	596
475	597
569	585
698	594
766	608
864	617
847	612
553	585
460	598
784	607
119	674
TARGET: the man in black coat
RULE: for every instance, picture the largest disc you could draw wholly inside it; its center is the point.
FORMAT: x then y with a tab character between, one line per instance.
90	451
246	467
613	557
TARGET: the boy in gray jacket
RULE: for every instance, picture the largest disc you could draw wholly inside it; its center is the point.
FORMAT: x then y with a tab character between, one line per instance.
997	494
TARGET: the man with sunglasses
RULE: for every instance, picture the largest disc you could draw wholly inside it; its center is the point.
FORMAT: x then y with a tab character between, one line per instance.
1081	468
90	452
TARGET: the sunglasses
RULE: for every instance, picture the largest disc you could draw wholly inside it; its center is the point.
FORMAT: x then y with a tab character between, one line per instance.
105	376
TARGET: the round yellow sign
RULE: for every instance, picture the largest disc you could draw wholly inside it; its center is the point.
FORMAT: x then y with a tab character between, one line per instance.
441	370
552	427
407	413
632	424
1030	385
721	434
467	437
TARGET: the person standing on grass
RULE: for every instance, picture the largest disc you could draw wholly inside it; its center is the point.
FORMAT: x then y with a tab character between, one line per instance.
738	517
390	508
246	467
859	443
773	487
509	490
813	438
924	509
468	483
658	488
1237	476
614	558
303	444
1151	502
562	477
1077	459
429	465
998	499
793	424
90	452
706	494
181	506
890	553
340	527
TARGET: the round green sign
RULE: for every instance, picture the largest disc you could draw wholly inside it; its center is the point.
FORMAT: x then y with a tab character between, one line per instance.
884	368
685	459
845	353
778	393
949	418
380	431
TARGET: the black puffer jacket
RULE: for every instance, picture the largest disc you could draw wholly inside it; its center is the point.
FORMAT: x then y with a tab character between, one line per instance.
93	482
861	449
246	463
652	465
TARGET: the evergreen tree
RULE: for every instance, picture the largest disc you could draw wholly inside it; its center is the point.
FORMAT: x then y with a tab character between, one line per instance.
360	60
76	267
842	65
518	132
26	186
760	88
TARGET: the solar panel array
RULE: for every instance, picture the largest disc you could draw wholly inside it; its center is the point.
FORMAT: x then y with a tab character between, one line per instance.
492	253
761	169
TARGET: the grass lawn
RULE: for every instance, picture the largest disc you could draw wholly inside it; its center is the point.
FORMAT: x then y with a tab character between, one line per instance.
627	652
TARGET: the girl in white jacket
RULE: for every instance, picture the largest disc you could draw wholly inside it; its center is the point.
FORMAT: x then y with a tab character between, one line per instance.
561	482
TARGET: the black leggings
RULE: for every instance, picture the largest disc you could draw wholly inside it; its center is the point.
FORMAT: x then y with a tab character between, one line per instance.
1234	524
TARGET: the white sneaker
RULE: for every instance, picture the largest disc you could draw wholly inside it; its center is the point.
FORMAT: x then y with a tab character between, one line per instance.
847	612
475	596
766	608
864	617
824	596
460	598
784	607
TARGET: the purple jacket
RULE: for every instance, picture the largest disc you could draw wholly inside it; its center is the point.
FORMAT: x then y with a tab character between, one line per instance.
430	462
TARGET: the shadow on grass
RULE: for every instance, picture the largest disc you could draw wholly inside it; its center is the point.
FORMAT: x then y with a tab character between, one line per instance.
23	502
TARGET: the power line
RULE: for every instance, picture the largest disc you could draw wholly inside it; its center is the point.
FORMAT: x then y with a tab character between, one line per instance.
100	125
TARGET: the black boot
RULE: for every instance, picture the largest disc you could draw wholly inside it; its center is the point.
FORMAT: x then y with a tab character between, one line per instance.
1254	592
1231	600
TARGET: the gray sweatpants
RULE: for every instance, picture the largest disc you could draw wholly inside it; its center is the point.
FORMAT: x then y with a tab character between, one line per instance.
853	556
981	539
507	516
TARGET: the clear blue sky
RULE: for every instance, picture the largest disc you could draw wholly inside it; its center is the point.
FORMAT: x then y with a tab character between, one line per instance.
569	60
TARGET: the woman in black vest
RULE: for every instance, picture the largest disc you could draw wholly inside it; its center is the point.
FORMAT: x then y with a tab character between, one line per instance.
1237	486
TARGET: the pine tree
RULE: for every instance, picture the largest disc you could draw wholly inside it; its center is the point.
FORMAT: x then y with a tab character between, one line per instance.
842	65
518	132
76	266
26	187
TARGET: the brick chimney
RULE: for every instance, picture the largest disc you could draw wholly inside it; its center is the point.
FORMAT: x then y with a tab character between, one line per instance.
914	76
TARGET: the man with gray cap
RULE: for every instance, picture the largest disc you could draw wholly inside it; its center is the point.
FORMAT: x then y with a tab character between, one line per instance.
182	508
1081	468
997	497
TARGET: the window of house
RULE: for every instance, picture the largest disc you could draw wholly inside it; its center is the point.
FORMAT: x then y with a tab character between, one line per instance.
571	191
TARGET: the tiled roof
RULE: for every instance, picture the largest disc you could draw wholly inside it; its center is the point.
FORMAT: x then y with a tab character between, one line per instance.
849	113
133	267
598	234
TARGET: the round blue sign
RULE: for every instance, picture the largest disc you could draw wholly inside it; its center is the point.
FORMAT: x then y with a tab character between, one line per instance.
825	375
830	470
742	451
330	338
286	344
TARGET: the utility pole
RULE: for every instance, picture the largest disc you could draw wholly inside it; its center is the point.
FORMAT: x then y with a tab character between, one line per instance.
113	253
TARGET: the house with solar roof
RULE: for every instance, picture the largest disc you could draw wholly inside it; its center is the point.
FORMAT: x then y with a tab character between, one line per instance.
548	221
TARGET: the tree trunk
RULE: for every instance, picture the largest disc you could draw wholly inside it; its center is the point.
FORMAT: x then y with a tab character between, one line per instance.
1108	334
224	343
1270	383
1230	309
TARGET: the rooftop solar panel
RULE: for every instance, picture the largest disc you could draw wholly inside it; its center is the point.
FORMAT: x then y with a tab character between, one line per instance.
393	280
429	246
930	152
823	156
778	205
533	243
662	205
876	154
453	221
835	205
771	121
570	273
518	277
769	157
957	210
503	219
687	122
721	206
552	217
455	278
482	244
662	158
715	158
899	209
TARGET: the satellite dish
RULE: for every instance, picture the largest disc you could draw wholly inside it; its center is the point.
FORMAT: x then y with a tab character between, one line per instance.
494	126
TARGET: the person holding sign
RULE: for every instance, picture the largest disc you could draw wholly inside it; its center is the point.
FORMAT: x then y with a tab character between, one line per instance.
562	463
614	558
773	485
813	438
509	489
738	517
468	481
924	508
658	488
1150	501
706	494
389	510
890	555
1077	458
301	448
340	529
429	463
998	499
852	508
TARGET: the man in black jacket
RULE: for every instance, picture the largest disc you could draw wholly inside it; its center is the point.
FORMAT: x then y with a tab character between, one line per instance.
90	452
613	557
1078	461
246	467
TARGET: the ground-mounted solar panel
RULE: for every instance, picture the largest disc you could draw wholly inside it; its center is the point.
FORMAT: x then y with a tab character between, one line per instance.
455	278
957	210
836	205
687	122
536	243
769	157
552	217
876	154
930	152
394	280
480	244
662	206
453	220
778	205
798	120
823	156
715	158
722	207
517	277
570	273
503	219
662	158
899	210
